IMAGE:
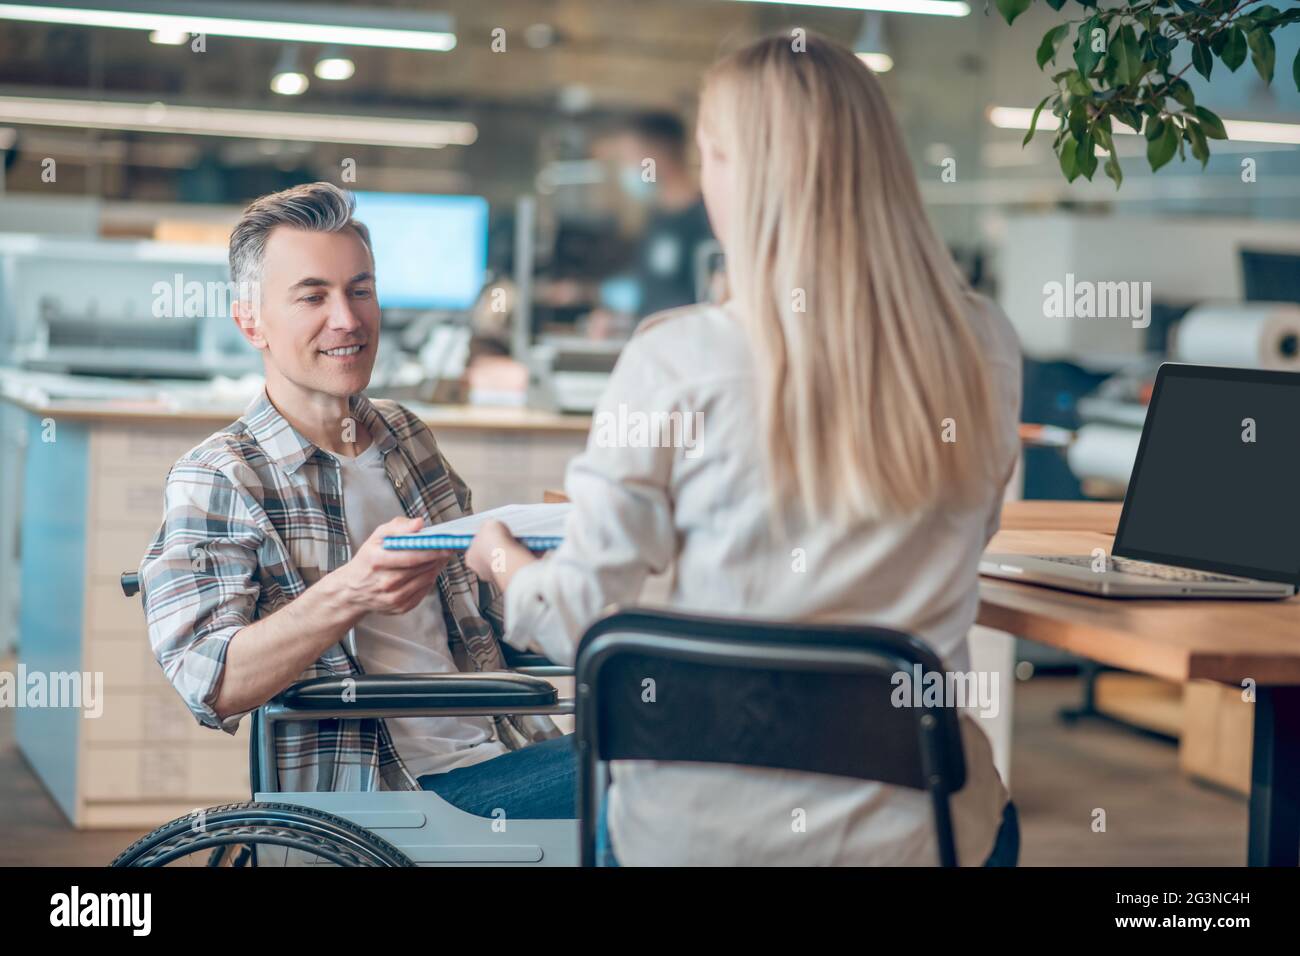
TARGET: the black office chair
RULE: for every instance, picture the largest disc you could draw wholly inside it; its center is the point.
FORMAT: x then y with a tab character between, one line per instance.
790	696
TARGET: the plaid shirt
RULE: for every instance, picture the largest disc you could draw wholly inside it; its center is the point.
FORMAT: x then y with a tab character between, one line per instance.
253	517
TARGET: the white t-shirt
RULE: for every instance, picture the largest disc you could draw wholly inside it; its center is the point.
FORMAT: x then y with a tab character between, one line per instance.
411	643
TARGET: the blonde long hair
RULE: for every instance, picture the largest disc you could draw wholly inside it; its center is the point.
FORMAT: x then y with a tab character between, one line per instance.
857	386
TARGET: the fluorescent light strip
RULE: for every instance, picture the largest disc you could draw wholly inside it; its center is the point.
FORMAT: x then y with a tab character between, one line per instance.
1243	131
1250	131
877	62
938	8
439	41
237	123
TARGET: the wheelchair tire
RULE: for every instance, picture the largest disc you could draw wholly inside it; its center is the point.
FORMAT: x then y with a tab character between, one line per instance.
284	825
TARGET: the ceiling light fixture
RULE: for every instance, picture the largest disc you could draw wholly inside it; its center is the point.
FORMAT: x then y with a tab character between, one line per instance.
288	83
1245	131
333	65
236	123
394	29
288	80
870	45
877	62
169	37
938	8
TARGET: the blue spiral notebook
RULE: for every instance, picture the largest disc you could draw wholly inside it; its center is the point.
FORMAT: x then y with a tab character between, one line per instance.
538	528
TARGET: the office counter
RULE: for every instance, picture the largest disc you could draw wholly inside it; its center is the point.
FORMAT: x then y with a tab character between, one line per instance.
82	498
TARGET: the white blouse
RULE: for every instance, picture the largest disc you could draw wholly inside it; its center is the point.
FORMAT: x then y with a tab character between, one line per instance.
696	501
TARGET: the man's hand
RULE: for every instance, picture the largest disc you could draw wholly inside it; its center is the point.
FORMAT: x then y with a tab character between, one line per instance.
387	582
495	554
271	653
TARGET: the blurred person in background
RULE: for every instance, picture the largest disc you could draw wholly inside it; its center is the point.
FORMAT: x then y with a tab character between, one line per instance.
650	153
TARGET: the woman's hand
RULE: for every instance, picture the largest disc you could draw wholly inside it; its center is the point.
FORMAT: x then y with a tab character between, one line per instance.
495	554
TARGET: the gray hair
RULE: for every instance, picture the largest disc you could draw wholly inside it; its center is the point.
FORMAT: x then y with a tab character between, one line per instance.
316	207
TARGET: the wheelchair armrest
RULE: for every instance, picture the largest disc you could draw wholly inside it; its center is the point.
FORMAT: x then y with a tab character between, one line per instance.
526	662
399	692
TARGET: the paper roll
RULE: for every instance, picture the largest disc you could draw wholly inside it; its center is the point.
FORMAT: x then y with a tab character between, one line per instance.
1104	451
1250	335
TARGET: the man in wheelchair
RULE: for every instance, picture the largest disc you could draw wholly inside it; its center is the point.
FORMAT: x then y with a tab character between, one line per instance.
269	568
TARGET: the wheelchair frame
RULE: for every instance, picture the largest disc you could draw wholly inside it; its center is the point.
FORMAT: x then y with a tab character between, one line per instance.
420	823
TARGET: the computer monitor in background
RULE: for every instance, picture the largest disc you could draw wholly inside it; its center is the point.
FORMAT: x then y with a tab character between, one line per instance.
430	251
1270	276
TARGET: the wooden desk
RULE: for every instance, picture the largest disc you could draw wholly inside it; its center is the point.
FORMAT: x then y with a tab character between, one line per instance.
1225	641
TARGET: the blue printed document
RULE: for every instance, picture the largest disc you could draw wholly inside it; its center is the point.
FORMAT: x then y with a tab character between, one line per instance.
538	528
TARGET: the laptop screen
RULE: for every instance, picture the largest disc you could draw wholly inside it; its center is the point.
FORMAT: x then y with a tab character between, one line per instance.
1216	484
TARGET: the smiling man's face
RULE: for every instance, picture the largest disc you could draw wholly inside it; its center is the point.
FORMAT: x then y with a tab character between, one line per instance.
317	324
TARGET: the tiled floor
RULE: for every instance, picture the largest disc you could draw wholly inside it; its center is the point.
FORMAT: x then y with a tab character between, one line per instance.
1060	775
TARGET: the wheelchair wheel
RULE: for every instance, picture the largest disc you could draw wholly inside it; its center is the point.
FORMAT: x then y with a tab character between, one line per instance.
261	834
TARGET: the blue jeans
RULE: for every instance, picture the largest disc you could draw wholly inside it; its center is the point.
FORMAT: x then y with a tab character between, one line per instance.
539	782
1006	848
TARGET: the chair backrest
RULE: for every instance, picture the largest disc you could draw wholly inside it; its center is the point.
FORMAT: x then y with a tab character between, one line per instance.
831	699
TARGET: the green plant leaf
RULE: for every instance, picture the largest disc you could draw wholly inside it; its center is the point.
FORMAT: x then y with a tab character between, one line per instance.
1051	40
1033	122
1086	156
1010	9
1262	53
1295	69
1113	171
1161	149
1078	84
1261	16
1102	135
1210	123
1234	49
1129	116
1126	57
1181	91
1200	148
1056	4
1161	45
1085	58
1201	57
1068	158
1078	117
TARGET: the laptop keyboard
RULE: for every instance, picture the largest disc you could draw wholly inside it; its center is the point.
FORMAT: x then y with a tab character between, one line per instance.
1165	572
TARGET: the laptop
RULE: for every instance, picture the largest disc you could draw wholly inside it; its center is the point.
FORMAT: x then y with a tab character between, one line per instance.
1213	502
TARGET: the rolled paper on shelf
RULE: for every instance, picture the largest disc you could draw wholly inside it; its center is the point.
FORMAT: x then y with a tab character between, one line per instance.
1249	335
1104	451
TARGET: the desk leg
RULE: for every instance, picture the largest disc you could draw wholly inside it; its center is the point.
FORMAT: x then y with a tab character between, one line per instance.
1275	779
